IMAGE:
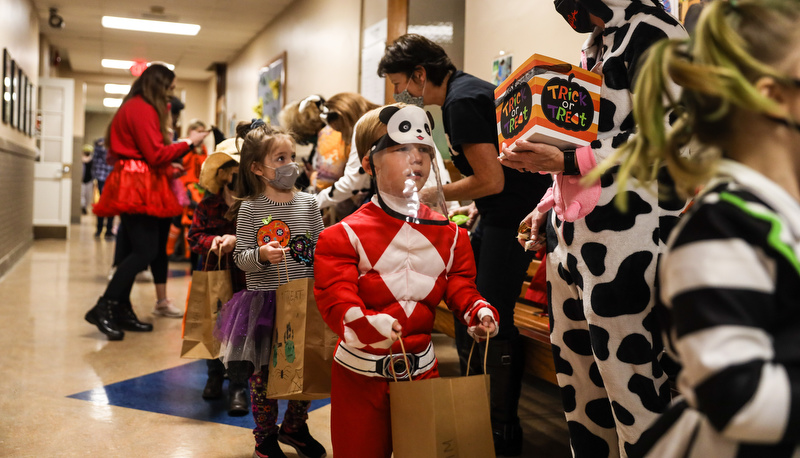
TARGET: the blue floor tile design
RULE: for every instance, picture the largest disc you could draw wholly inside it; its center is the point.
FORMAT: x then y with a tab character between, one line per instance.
177	392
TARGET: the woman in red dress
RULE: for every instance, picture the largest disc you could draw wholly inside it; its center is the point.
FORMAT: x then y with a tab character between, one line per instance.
138	190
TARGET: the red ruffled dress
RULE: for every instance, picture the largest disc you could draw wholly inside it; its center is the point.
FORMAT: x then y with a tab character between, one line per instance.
140	180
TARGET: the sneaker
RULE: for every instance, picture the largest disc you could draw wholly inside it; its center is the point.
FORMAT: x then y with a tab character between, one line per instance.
269	449
166	308
110	236
305	445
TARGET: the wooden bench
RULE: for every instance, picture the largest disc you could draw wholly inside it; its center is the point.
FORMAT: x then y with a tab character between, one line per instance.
533	325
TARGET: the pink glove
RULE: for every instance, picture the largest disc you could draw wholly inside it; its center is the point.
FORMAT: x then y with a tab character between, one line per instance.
568	197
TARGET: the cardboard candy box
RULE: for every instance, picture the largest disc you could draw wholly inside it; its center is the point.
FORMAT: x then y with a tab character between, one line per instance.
549	101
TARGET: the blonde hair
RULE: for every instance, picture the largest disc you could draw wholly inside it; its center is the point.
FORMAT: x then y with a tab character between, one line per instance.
370	129
735	43
350	107
305	124
196	124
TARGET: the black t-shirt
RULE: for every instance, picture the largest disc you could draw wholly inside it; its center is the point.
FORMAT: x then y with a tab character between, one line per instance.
468	115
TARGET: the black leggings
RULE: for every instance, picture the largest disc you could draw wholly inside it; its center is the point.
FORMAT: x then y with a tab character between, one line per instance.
108	221
142	241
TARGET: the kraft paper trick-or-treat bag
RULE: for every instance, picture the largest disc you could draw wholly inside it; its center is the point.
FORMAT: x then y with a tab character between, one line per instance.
302	345
546	100
210	290
441	418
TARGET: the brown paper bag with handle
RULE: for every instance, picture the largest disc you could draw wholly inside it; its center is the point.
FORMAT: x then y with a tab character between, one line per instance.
444	417
210	290
302	345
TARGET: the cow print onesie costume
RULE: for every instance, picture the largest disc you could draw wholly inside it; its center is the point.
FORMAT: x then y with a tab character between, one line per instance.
601	268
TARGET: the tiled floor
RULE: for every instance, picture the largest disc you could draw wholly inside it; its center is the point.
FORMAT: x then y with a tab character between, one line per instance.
66	391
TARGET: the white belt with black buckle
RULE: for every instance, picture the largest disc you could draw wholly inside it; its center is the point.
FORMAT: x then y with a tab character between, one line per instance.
371	365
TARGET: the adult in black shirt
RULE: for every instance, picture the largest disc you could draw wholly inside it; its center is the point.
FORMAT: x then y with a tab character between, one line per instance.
422	74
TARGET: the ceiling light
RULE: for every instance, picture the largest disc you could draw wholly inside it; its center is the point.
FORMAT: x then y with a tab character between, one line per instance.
111	102
118	88
143	25
113	63
126	64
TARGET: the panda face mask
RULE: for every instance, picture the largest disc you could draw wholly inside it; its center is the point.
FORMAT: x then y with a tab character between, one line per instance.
403	165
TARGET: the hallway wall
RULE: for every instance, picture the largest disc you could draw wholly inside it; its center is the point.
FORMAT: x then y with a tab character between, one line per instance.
321	39
518	27
19	34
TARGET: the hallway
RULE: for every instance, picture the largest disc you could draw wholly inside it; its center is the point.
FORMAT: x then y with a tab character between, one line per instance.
67	391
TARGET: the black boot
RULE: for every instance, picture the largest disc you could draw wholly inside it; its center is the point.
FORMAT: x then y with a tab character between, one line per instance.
127	319
505	366
102	316
216	376
237	402
238	374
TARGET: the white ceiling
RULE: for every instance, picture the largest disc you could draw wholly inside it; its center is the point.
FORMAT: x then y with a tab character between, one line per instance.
226	27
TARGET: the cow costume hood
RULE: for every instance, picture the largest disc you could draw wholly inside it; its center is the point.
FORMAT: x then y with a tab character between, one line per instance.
631	27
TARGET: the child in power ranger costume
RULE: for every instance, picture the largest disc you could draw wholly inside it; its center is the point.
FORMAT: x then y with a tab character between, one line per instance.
380	274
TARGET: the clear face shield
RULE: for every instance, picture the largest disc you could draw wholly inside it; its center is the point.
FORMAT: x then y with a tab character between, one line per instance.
403	165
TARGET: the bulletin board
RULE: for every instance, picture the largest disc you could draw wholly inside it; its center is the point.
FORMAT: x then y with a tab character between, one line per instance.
272	89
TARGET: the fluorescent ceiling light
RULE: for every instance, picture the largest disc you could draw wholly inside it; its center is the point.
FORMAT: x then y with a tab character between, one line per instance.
142	25
127	64
120	64
111	102
117	88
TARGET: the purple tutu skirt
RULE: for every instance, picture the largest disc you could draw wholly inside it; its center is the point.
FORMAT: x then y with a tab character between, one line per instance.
244	327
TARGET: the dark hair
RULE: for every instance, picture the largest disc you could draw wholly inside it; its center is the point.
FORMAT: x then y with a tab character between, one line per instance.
258	140
410	51
153	85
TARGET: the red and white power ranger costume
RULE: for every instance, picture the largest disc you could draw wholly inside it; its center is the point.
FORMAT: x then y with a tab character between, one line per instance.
370	270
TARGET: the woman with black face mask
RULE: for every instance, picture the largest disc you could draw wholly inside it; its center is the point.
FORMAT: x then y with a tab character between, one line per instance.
601	261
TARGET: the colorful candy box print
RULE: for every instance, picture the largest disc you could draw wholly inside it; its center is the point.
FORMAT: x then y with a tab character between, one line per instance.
548	101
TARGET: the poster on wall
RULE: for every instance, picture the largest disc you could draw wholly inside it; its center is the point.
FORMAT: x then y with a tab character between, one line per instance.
6	87
272	89
373	87
29	114
13	100
23	104
501	68
18	93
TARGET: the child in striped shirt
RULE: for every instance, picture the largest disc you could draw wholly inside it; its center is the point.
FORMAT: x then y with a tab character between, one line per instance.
276	231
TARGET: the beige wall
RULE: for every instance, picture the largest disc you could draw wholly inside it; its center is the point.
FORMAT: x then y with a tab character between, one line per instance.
518	27
321	40
19	33
199	100
96	123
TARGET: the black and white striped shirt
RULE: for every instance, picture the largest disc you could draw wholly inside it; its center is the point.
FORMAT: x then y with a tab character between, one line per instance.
296	224
731	282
